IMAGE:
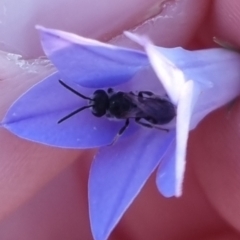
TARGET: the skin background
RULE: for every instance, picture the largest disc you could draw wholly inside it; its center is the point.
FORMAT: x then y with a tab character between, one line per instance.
44	190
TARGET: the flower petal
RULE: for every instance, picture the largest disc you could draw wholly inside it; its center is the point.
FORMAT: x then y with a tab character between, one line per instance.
35	115
187	100
166	174
117	175
224	72
171	170
88	62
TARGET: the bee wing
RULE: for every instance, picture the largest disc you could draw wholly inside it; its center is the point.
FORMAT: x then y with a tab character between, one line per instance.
153	107
136	110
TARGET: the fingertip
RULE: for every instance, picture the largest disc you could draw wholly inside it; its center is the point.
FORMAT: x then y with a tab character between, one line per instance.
214	152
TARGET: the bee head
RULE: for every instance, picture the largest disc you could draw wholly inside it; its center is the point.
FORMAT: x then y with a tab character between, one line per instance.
100	103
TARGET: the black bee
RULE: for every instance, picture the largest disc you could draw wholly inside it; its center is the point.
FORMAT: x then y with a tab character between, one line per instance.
146	108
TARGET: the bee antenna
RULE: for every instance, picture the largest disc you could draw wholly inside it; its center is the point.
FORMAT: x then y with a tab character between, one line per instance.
73	113
73	90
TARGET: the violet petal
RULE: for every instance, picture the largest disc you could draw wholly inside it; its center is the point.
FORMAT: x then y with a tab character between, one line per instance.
166	174
224	72
187	100
88	62
118	173
171	171
35	114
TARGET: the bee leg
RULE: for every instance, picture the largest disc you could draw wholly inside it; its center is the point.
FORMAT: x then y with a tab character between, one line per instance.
137	120
121	131
141	93
141	96
149	125
163	129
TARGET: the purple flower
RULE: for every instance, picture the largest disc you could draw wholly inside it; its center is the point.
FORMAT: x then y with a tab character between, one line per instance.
197	82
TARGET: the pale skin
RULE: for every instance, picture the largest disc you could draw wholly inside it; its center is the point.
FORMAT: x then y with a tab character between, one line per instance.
44	190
